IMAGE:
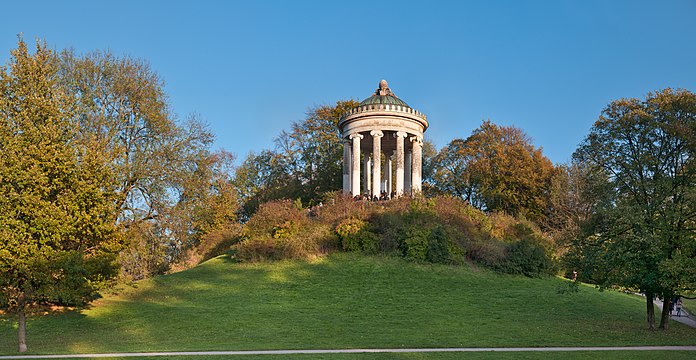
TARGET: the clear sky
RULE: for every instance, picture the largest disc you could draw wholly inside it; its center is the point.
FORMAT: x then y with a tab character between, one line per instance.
250	68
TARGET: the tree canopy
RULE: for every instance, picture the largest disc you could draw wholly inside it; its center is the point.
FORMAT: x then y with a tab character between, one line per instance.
497	169
164	176
644	235
57	229
305	164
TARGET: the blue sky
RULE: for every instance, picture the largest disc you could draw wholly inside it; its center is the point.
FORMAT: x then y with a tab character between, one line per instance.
250	68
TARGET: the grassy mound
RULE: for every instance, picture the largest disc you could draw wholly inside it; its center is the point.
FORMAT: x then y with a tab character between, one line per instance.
344	300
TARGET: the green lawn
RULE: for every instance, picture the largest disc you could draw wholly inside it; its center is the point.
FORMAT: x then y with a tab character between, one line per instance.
689	305
348	301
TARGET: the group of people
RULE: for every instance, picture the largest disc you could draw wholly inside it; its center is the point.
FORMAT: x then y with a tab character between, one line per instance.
383	196
675	306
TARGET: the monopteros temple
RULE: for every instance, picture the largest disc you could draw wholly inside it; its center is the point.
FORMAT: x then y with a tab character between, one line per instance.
389	135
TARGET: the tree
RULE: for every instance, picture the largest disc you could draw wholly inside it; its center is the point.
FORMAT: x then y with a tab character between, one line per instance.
305	164
497	169
260	178
57	236
429	168
451	176
577	192
313	151
162	167
646	238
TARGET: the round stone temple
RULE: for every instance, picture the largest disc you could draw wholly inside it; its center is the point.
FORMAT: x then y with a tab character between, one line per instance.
382	129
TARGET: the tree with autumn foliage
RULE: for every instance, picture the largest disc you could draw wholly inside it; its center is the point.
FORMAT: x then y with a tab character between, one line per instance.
305	164
166	180
644	237
497	168
57	227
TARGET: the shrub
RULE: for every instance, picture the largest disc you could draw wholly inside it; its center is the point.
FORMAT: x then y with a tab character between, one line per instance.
439	230
349	227
279	218
356	236
527	257
390	227
340	207
438	246
259	249
486	252
414	243
459	215
287	229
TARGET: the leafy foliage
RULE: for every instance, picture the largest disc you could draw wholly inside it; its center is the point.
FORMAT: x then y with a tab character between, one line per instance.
355	235
279	230
641	158
527	257
306	163
57	230
169	188
439	230
497	169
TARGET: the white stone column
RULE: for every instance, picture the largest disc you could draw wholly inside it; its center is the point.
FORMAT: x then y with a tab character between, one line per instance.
399	189
417	167
407	172
368	174
346	168
388	175
355	169
376	161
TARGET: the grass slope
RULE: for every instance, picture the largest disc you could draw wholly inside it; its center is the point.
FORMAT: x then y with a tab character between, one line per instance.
344	301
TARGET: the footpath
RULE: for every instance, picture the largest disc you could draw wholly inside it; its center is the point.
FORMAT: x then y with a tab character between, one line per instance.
685	317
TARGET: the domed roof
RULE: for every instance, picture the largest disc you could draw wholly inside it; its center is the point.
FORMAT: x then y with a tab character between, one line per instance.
383	95
386	99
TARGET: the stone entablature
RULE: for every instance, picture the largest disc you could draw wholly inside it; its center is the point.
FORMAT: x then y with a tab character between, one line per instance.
382	126
387	107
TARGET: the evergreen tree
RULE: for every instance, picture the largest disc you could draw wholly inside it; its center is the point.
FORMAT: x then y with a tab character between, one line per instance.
57	239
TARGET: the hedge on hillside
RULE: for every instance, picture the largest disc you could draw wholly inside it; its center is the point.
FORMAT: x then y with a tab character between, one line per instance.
438	230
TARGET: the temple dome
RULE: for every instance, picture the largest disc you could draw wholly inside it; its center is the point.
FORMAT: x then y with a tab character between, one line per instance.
383	95
386	99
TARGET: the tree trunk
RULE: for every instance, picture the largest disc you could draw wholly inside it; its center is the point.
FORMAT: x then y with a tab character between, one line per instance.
22	325
664	319
651	310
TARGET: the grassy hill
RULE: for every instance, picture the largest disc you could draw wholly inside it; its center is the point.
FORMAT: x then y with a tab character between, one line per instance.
345	301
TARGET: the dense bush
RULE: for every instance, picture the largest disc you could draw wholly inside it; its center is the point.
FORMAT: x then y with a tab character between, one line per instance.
280	218
489	253
283	230
356	236
414	243
438	246
527	257
437	230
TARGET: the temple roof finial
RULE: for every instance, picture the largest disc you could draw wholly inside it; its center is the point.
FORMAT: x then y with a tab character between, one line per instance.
383	89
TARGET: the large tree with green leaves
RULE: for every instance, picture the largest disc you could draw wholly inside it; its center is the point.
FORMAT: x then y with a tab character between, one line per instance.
645	238
57	235
165	175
